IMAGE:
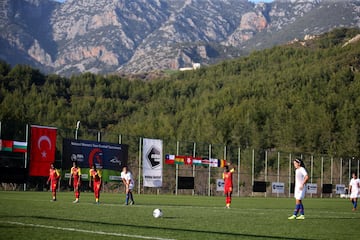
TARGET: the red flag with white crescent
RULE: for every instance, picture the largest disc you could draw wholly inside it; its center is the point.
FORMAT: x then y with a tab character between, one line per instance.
42	150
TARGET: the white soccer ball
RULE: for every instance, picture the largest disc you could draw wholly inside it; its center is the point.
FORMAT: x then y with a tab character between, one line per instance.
157	213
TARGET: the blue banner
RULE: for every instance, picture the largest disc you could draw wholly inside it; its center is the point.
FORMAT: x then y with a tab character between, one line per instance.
109	157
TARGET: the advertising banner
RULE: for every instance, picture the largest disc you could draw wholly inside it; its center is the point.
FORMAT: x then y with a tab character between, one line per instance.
340	189
220	185
278	187
152	162
311	188
108	157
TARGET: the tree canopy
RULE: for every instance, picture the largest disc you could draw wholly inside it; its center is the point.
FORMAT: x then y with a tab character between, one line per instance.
303	96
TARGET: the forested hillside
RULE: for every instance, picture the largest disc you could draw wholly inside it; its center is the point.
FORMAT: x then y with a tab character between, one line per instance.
303	96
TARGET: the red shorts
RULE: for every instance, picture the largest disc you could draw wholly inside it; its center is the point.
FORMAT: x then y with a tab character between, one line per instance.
53	185
76	183
227	190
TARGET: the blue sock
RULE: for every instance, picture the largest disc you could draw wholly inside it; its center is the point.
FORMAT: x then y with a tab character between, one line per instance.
355	204
297	207
301	209
127	198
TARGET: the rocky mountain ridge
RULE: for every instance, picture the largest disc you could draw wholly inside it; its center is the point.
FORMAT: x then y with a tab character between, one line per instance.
107	36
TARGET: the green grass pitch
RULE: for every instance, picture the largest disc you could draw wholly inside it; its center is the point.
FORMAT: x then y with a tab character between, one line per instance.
31	215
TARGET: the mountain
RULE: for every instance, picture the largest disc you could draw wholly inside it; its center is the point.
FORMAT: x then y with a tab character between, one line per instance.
134	36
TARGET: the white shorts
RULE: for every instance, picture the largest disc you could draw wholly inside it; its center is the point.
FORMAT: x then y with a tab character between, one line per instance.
131	186
354	195
299	194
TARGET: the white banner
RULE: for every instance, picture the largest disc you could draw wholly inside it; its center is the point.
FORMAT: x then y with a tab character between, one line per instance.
152	162
311	188
340	189
220	185
278	187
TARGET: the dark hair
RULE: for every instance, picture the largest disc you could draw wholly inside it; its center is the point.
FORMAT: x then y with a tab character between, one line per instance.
299	161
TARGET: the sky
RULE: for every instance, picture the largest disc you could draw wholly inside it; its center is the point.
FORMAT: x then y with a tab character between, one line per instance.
255	1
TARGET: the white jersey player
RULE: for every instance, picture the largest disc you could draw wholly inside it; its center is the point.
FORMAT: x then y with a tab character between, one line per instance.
301	177
128	181
354	189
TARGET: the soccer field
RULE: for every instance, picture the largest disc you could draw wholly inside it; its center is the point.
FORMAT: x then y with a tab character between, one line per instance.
31	215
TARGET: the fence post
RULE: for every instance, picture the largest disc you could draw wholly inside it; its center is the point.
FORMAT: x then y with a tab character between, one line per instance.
252	170
99	136
193	166
266	159
238	171
177	169
26	153
311	170
322	176
340	174
289	174
358	168
349	166
278	171
331	173
139	174
209	180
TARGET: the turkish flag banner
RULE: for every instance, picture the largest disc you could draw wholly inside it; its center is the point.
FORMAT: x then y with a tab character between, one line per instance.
42	150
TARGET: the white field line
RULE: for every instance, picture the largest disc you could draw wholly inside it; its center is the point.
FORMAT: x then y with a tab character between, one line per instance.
85	231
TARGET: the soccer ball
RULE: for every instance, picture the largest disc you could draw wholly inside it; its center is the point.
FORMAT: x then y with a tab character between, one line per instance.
157	213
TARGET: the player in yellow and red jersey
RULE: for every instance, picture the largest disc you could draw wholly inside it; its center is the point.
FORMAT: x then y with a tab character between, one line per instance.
95	177
228	185
53	179
75	173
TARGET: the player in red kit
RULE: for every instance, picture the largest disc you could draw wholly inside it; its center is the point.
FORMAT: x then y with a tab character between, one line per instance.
53	179
75	173
95	177
228	185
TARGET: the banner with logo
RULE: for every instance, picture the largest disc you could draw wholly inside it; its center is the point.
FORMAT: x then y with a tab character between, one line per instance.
42	150
108	157
152	162
278	187
220	185
311	188
340	188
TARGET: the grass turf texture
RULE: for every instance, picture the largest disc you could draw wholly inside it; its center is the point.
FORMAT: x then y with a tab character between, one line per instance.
31	215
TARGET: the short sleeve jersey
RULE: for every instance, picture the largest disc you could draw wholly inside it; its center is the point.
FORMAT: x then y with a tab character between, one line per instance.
354	183
54	174
75	172
95	174
127	176
300	174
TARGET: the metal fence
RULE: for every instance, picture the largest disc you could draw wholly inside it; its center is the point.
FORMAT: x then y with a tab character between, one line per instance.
252	166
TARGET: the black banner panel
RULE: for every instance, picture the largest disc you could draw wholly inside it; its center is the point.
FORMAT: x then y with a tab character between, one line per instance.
186	183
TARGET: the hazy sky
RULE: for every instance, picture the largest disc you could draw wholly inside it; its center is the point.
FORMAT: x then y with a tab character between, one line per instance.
256	1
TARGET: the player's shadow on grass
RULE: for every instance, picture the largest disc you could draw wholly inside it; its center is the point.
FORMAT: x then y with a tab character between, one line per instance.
331	218
162	228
